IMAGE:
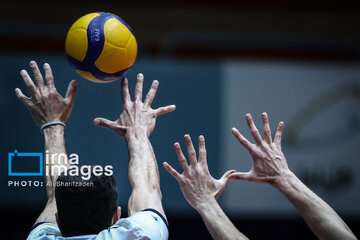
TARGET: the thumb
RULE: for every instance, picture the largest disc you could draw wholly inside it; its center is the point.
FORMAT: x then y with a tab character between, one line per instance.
103	122
226	176
163	110
239	176
223	181
21	96
71	91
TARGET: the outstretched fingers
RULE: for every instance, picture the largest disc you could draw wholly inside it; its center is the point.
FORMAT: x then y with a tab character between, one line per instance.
104	123
21	96
254	131
49	76
163	110
37	75
113	126
172	171
139	87
240	176
28	82
226	176
191	150
278	134
222	183
202	152
266	127
125	90
243	141
71	91
181	157
151	94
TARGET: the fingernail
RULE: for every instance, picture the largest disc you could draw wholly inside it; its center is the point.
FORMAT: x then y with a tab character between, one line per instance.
22	72
140	75
201	137
32	63
96	122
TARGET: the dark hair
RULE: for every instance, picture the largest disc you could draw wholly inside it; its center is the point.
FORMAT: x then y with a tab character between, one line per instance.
85	206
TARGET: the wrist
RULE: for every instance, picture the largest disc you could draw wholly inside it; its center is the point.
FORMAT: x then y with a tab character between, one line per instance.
51	123
53	130
284	182
135	132
205	204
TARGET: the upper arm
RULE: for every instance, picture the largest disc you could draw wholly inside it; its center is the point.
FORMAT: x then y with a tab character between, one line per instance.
142	198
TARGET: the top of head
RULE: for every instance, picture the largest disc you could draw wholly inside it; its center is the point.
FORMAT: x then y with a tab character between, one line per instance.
101	46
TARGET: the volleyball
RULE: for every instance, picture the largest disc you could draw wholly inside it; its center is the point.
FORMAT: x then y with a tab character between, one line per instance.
101	47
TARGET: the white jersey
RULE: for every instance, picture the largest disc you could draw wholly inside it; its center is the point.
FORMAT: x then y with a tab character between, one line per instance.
147	224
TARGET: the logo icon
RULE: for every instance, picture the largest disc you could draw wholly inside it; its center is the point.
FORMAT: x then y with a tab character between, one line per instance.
25	164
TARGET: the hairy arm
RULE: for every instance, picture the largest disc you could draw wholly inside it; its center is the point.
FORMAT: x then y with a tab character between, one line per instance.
321	218
54	146
217	223
143	173
135	124
201	190
270	166
46	105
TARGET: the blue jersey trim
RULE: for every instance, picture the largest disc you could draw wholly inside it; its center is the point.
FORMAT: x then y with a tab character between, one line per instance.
36	225
160	215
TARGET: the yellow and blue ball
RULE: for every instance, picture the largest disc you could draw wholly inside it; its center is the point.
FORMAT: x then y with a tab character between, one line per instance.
101	47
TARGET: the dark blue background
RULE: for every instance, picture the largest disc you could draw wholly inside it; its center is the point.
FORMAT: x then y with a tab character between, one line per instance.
191	86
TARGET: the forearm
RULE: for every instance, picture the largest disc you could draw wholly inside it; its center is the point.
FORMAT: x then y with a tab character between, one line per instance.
54	146
46	105
143	173
143	169
56	160
217	223
321	218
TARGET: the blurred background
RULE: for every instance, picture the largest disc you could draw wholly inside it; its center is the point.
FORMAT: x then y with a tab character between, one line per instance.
216	60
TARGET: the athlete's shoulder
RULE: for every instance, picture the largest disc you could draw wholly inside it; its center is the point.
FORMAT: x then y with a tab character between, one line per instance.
147	223
43	231
50	231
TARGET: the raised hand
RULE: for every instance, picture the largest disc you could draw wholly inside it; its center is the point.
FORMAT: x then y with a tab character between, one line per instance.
269	163
46	104
136	114
196	182
270	166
